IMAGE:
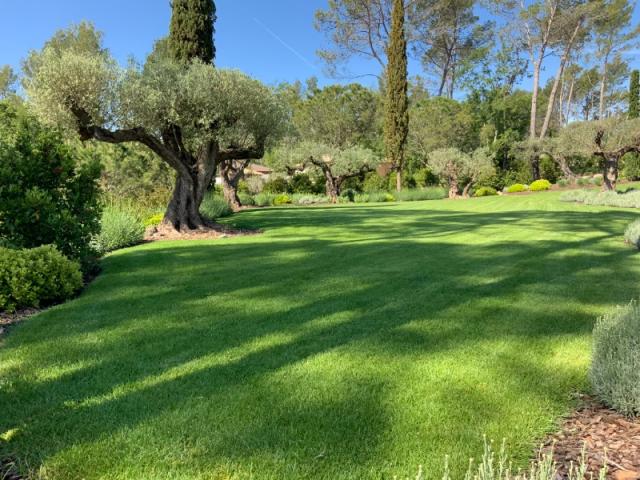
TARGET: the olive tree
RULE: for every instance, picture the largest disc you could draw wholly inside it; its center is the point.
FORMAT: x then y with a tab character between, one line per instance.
460	170
193	116
334	163
608	140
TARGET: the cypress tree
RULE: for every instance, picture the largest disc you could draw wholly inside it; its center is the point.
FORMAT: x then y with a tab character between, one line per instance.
191	30
634	95
396	124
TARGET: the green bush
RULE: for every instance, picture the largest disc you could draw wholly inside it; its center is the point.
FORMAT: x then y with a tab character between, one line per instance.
632	234
214	206
264	199
582	181
540	185
301	183
282	199
36	277
246	199
45	198
374	183
597	181
309	199
154	220
516	188
120	228
563	182
419	194
276	185
485	192
615	368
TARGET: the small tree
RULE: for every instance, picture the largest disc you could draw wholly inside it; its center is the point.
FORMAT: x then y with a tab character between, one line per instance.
192	116
609	140
634	95
461	171
336	164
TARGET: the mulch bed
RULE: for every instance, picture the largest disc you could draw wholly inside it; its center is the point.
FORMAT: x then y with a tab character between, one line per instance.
158	234
9	319
599	430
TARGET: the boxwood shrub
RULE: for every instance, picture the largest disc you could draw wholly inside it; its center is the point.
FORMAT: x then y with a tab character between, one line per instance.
36	277
615	368
540	185
485	192
516	188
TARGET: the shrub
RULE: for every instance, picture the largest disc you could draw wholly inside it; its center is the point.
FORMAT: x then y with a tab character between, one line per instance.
540	185
301	183
264	199
301	199
276	185
485	192
419	194
153	220
582	181
36	277
246	199
597	181
574	196
516	187
615	368
563	182
374	183
45	198
282	199
214	206
120	228
349	195
632	234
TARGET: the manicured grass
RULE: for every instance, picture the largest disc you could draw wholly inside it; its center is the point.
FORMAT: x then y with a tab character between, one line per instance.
346	342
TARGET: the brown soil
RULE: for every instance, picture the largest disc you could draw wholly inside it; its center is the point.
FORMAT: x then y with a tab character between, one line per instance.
9	319
162	232
599	430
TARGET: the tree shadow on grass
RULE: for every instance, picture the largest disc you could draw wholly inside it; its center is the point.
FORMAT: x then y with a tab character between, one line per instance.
171	337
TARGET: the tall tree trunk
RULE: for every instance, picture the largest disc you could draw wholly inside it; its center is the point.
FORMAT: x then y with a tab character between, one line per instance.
534	98
570	101
603	88
556	82
399	181
183	211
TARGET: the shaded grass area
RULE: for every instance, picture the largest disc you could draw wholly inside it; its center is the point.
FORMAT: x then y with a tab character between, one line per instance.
345	342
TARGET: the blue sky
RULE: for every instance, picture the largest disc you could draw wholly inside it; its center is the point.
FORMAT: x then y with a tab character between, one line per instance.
273	40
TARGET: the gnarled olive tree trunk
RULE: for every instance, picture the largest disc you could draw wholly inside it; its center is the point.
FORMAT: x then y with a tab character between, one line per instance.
194	171
231	172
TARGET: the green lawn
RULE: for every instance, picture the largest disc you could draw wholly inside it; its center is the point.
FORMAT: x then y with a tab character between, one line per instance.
346	342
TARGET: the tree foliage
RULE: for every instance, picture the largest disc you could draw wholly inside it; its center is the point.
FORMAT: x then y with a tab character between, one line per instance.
396	119
191	31
461	171
634	95
192	116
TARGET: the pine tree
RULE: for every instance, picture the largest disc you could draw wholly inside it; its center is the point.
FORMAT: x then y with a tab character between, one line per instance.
634	95
396	125
191	30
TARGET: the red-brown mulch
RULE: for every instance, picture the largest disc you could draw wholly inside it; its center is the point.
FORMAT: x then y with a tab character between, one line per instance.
161	233
600	430
9	319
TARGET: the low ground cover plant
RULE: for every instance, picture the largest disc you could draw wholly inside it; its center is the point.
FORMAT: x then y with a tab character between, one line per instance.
629	199
615	369
36	277
419	194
